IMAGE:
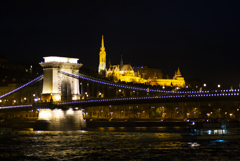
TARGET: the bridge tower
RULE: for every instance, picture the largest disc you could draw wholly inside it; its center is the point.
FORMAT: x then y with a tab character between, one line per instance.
57	86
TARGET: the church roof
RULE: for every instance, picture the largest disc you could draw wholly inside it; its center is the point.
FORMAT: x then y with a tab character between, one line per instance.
126	67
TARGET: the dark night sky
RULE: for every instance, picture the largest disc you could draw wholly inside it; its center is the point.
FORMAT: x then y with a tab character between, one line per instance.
200	37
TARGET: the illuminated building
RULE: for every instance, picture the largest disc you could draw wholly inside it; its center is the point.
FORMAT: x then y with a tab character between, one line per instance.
102	58
126	73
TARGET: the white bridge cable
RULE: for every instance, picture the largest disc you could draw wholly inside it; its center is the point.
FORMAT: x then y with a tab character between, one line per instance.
36	79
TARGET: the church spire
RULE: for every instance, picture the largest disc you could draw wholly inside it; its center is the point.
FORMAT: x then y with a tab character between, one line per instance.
102	58
102	42
121	63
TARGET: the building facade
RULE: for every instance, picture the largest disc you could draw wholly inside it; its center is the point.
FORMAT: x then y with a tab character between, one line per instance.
144	75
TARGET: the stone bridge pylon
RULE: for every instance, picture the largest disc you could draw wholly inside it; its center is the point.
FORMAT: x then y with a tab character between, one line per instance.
57	86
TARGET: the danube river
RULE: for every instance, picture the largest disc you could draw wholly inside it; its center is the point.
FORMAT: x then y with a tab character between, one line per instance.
109	144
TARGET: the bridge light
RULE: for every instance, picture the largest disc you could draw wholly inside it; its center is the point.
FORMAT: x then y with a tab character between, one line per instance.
70	111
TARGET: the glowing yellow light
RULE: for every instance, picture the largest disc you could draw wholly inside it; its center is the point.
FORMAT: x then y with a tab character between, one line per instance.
45	114
70	111
0	100
75	98
25	98
14	101
57	114
218	85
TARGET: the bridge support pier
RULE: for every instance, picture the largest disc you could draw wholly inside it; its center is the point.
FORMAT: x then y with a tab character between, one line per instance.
58	119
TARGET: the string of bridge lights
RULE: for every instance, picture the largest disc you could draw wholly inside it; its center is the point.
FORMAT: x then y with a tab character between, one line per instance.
16	106
41	76
132	98
153	97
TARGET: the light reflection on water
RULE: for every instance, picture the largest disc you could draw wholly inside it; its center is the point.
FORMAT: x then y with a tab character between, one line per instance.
98	145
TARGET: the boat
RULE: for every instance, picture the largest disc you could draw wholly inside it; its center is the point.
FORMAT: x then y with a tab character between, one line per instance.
210	131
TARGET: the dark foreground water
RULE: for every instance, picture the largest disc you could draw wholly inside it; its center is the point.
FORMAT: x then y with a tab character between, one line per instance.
102	144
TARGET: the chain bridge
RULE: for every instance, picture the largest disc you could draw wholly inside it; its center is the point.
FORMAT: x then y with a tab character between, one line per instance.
63	90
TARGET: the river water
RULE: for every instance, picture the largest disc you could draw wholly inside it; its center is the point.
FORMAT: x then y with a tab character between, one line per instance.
108	144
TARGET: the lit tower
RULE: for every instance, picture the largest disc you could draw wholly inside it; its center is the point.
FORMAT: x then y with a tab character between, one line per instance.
57	86
102	58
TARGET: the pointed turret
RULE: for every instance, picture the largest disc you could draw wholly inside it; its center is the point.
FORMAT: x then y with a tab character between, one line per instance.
178	72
